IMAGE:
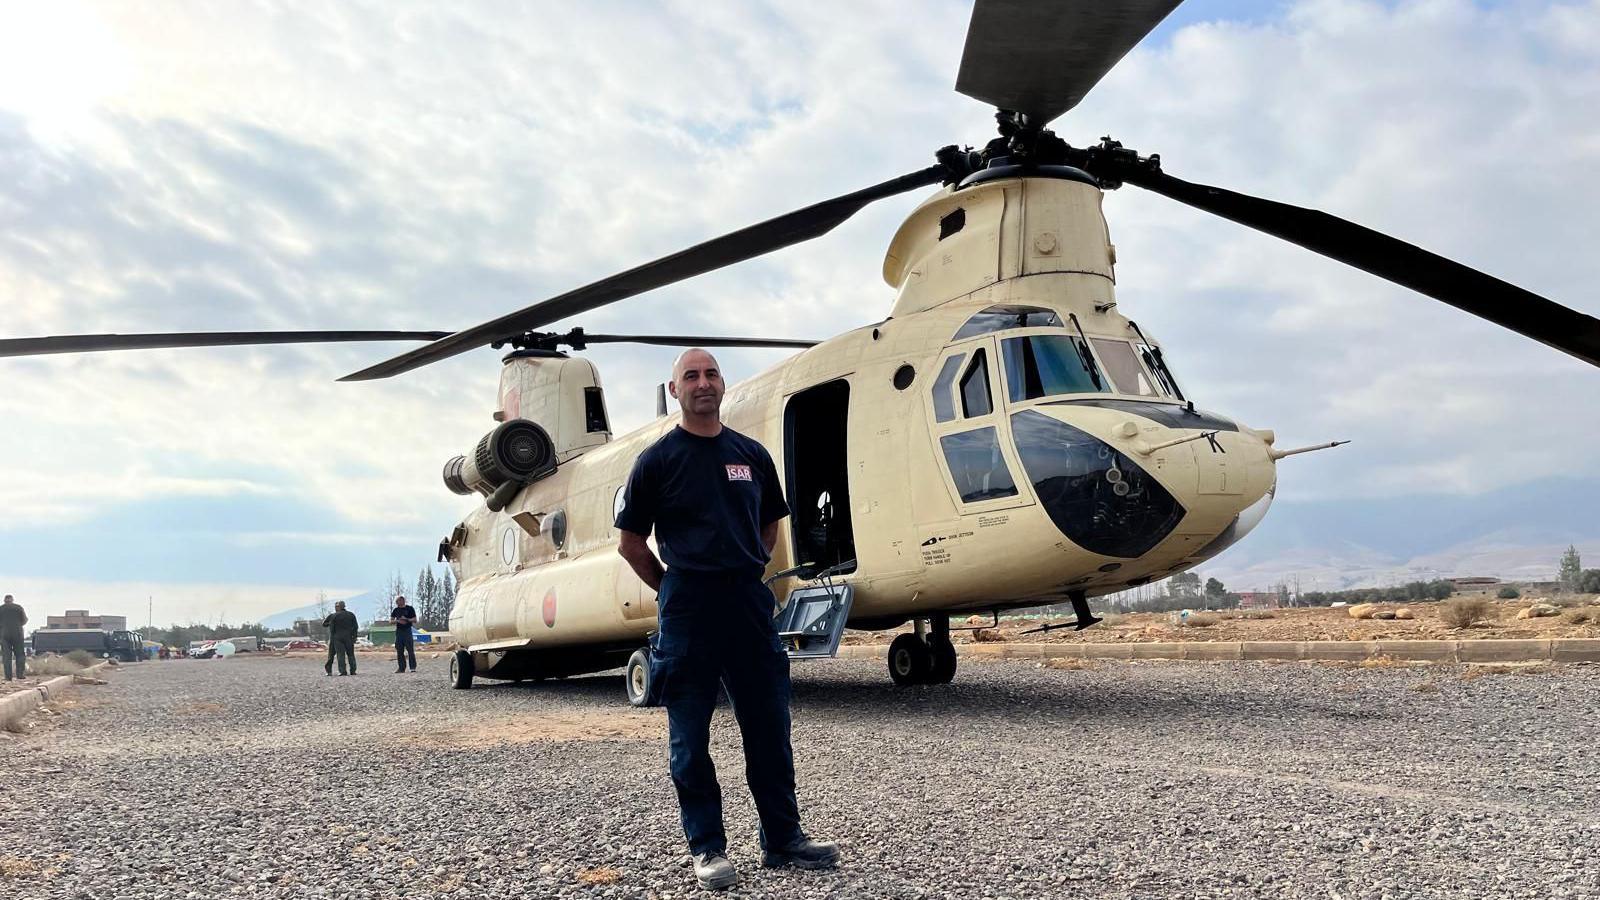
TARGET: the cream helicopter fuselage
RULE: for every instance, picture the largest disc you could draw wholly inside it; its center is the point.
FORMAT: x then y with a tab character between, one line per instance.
1004	438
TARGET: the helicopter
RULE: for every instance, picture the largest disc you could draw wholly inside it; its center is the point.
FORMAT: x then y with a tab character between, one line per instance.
1005	437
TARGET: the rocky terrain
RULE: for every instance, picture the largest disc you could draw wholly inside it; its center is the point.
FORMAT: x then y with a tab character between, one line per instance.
263	778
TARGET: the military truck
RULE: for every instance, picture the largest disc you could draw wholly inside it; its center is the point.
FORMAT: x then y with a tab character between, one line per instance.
127	646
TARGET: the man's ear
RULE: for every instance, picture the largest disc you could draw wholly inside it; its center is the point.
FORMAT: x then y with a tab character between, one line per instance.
672	388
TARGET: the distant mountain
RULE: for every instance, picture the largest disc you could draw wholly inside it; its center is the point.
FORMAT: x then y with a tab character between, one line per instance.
365	606
1515	533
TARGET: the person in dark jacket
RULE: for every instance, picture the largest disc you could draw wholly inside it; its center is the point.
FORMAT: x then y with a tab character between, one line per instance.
404	615
342	627
714	500
12	618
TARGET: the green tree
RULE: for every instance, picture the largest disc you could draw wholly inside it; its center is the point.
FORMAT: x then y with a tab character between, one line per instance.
1215	590
1185	585
1570	570
447	596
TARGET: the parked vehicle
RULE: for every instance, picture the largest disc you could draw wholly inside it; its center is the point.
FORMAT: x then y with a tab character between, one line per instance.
127	646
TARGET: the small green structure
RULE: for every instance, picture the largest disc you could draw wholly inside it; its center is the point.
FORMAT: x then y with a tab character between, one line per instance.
381	633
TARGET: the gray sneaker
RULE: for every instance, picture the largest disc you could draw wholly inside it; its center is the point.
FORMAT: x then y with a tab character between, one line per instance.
714	872
804	854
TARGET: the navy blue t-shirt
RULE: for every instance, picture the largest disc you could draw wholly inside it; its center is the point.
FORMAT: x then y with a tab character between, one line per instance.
706	498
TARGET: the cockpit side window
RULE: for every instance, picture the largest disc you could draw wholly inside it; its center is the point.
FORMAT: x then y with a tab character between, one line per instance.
975	399
1127	375
1043	365
977	466
1006	317
944	407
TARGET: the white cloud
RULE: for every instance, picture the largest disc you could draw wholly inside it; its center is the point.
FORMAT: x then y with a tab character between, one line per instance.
423	166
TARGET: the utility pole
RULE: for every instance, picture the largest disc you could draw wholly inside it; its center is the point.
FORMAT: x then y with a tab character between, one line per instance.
149	612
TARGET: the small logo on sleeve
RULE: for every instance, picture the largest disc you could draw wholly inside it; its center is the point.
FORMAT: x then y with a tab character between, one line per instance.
739	473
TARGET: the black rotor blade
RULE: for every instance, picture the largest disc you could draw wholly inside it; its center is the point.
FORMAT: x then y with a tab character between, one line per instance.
1395	260
86	343
1040	57
764	237
691	340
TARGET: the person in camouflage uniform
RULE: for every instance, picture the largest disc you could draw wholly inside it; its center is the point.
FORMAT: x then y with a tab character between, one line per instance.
342	627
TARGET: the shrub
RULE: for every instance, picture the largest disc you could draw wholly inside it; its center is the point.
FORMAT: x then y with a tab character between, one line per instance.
1581	616
1508	593
82	658
53	665
1464	612
1202	620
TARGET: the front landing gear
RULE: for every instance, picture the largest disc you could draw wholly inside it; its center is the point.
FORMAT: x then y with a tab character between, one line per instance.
924	657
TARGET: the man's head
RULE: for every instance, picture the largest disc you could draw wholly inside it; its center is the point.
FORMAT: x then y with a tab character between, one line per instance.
400	600
697	383
338	605
9	599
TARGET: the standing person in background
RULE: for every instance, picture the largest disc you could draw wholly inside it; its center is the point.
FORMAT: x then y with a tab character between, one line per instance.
342	627
405	648
12	618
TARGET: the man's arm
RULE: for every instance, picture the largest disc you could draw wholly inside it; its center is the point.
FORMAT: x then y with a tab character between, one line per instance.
769	535
640	558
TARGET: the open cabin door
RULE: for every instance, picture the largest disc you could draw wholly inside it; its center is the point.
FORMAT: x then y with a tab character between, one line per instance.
817	476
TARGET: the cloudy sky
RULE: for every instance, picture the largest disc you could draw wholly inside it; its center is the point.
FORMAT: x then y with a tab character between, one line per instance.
274	165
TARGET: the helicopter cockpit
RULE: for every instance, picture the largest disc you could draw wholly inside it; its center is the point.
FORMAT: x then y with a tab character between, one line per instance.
1097	496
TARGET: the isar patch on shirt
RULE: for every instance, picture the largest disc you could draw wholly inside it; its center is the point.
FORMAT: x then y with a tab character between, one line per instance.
739	473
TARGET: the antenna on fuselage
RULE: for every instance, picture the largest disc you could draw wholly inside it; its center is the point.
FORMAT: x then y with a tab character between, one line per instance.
661	401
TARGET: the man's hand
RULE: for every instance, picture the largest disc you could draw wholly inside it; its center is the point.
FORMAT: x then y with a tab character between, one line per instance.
639	556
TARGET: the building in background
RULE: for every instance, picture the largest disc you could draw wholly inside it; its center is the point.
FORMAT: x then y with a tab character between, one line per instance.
80	618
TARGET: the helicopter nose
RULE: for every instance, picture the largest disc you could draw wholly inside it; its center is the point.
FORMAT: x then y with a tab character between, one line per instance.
1099	497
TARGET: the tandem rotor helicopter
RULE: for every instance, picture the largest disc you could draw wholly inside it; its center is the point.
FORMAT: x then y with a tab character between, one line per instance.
1005	437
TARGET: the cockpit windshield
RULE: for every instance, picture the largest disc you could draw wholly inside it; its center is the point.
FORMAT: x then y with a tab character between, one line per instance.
1043	365
1123	366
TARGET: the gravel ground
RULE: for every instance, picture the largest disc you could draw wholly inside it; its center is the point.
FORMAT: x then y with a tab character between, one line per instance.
262	778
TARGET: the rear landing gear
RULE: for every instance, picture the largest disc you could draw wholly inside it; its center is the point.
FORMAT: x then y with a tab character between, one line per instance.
461	670
923	658
637	678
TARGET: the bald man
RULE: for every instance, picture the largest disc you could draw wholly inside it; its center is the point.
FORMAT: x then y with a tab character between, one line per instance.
714	500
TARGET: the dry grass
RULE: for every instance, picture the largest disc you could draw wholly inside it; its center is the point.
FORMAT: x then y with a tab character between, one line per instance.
17	867
599	876
1478	671
54	665
1389	662
1074	665
1464	612
1112	620
82	657
1201	620
1589	615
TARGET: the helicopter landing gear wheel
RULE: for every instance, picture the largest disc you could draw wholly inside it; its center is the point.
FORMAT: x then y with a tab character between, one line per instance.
637	678
909	660
461	670
942	654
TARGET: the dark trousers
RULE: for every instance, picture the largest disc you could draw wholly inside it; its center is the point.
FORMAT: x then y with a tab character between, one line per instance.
405	647
717	629
345	649
11	650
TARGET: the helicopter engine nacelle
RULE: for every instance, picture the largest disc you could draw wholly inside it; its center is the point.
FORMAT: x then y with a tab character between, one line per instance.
515	452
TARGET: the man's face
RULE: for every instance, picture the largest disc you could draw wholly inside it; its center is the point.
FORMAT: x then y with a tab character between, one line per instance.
339	606
697	383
